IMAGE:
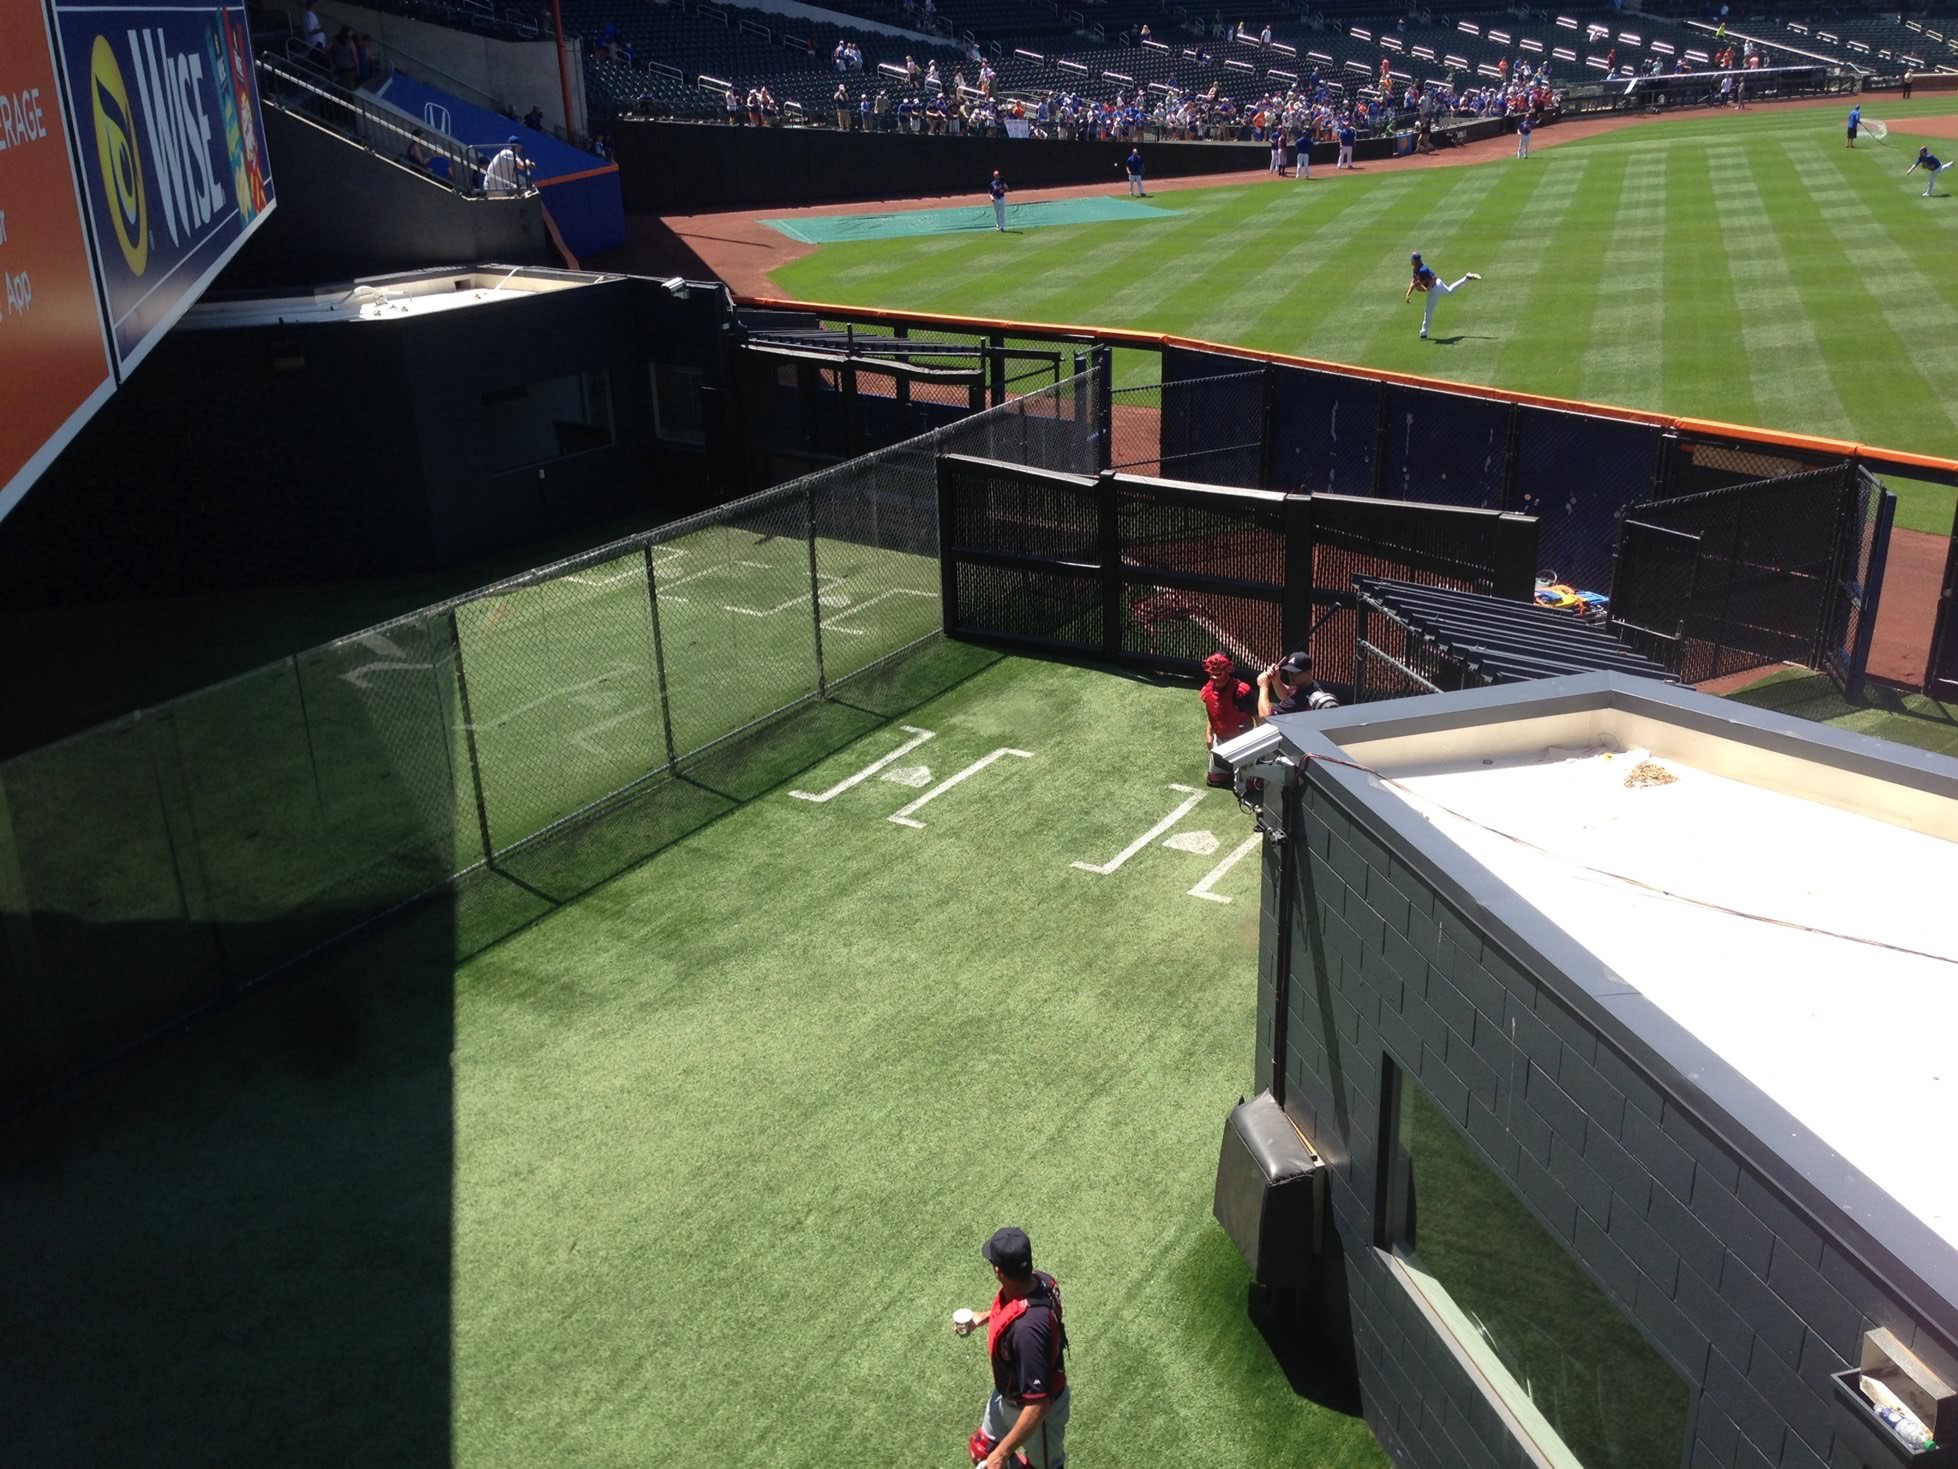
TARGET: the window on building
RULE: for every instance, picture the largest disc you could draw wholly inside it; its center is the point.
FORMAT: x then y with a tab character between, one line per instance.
677	416
542	421
1574	1373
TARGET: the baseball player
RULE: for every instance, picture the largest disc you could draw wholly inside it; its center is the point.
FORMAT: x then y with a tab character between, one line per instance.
1432	285
1346	136
998	190
1304	169
1855	121
1523	127
1928	161
1230	707
1134	162
1277	152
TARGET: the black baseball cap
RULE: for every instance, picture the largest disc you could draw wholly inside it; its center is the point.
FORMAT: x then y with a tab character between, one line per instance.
1296	664
1011	1250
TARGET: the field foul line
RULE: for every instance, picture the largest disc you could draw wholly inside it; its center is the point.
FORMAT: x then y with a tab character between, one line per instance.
1211	878
921	735
1148	836
670	554
903	816
834	624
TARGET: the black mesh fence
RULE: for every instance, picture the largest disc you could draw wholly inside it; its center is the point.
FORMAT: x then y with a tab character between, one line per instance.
1870	515
1325	429
1445	448
1577	473
1201	571
1208	430
1769	563
151	866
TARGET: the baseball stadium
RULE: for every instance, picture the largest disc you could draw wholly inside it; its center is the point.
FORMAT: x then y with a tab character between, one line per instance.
704	700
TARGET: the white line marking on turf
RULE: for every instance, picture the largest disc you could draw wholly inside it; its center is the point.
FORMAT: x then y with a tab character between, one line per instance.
800	599
831	624
917	777
921	735
903	817
1202	843
586	738
1148	836
1215	875
662	556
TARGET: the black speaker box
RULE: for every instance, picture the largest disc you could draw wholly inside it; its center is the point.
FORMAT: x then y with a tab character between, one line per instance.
1270	1193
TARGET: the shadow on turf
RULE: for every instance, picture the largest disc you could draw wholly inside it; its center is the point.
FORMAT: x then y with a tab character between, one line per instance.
234	1245
525	885
1817	696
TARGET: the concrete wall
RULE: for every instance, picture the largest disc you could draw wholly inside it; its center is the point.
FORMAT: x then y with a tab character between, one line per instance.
1752	1297
513	75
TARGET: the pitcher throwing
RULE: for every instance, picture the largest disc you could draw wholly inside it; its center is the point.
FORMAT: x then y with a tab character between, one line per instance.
1432	285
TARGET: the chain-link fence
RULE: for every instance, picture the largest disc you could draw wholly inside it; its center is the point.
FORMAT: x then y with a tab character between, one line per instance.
1874	509
151	866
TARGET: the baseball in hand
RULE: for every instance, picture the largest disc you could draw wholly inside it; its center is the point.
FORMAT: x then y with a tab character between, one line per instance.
963	1321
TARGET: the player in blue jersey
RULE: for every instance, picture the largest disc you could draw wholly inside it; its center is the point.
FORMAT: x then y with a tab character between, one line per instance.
1134	162
1523	126
1855	121
1346	137
1928	161
998	190
1432	286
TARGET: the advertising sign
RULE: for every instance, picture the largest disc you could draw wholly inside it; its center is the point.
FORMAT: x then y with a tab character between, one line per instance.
168	130
54	363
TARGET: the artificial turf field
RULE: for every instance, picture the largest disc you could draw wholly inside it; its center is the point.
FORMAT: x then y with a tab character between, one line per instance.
694	1168
1741	267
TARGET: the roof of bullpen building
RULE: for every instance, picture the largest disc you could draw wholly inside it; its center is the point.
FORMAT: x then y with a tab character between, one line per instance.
1754	903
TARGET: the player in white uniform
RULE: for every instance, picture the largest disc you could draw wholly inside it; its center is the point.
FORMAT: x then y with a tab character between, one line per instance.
998	190
1432	285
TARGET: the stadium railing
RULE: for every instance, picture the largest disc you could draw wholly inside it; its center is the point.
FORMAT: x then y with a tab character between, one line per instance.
154	866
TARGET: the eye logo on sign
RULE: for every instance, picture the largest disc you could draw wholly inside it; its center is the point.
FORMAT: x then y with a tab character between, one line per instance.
122	163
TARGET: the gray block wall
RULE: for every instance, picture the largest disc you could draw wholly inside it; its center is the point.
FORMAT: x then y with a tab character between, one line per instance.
1753	1298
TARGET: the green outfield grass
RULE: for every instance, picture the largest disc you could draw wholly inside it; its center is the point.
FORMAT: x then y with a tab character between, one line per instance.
694	1170
1747	268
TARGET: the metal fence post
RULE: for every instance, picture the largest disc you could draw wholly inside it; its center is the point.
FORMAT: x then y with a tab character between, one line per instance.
469	734
996	367
948	572
1859	662
1512	452
659	658
1108	548
815	587
1268	428
1103	387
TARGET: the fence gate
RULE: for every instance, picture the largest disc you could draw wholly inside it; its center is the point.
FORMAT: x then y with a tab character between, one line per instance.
1941	675
1154	574
1773	571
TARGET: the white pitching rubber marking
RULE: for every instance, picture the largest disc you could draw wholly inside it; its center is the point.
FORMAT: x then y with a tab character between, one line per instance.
1148	836
919	737
903	817
1215	875
800	599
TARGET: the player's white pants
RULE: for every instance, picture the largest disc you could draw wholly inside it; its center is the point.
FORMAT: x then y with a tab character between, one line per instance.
999	213
1277	162
1522	145
1931	178
1304	170
1438	289
1345	156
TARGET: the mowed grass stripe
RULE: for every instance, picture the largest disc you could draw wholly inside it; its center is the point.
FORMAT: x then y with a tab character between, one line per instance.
1417	221
1566	219
1614	364
1309	277
1703	366
1869	305
1792	381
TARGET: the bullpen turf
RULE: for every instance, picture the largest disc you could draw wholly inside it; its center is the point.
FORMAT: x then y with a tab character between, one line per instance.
693	1169
1744	268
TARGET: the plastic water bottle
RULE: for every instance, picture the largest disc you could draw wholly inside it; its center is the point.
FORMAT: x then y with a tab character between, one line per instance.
1907	1427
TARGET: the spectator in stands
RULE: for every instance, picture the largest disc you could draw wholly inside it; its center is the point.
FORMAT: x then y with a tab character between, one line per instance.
417	155
863	113
836	57
881	110
754	107
842	103
506	175
343	59
931	76
534	119
1264	36
1147	35
911	69
733	105
374	67
312	28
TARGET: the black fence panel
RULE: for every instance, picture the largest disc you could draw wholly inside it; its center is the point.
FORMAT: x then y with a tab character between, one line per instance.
1445	448
1325	433
1870	513
1772	561
1577	474
1652	589
1023	555
1213	429
1202	570
1442	545
1698	463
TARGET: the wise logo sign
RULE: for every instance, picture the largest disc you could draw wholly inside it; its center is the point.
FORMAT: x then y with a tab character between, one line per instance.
176	177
